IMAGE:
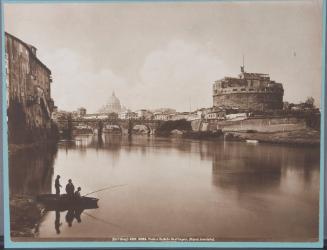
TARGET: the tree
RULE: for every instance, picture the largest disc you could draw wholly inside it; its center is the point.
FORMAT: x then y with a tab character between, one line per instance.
310	102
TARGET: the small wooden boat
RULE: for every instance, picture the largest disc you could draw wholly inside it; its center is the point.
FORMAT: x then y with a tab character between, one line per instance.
63	202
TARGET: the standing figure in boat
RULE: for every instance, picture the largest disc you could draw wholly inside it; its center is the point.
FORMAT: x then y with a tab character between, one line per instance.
70	189
57	185
78	193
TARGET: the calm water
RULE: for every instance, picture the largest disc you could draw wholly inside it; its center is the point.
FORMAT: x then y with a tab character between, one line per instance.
174	187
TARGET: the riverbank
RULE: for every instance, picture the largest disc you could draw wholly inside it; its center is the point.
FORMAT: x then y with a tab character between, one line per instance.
25	215
304	137
204	135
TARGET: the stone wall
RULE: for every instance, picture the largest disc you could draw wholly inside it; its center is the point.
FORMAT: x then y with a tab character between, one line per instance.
252	101
29	103
258	124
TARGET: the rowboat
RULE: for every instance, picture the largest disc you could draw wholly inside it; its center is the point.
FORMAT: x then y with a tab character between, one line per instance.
64	202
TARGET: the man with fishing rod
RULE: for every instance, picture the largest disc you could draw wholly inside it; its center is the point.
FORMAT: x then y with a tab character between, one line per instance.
70	190
57	185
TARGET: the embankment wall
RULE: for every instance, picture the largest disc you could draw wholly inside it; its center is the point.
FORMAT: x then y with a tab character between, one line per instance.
258	124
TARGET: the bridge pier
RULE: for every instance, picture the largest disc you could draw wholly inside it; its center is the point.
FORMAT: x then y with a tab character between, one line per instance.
125	131
100	129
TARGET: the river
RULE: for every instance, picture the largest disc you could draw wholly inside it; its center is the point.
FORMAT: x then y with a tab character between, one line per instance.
170	187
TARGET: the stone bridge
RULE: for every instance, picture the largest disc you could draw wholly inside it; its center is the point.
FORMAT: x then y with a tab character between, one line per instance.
99	125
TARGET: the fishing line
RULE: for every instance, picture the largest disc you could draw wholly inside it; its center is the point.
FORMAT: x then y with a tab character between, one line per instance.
104	221
102	189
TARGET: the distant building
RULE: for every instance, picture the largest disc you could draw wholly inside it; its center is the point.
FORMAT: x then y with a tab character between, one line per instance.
201	113
180	116
113	105
81	111
162	116
215	115
250	91
126	115
144	114
165	110
112	116
95	116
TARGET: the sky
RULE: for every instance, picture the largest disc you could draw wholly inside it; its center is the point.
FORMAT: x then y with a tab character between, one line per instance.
165	54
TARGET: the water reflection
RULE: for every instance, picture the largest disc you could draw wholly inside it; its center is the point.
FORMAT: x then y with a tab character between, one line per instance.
57	222
177	187
31	170
260	167
71	215
247	169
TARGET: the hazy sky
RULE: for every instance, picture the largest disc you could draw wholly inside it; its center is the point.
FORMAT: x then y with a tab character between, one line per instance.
169	54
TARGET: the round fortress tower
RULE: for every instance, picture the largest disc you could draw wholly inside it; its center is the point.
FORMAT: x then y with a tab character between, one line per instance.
250	91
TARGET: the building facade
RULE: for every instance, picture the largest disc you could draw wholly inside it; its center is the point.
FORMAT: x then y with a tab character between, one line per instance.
144	114
162	116
126	115
250	91
29	102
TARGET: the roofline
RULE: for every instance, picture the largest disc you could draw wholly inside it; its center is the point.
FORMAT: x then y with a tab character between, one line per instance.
29	49
253	73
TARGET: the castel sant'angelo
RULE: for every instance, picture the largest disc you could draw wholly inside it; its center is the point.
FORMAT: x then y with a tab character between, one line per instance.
250	91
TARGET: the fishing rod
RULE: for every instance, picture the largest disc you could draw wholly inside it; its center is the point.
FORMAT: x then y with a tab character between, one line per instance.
105	188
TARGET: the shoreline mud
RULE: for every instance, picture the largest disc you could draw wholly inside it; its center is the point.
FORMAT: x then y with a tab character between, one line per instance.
305	137
25	215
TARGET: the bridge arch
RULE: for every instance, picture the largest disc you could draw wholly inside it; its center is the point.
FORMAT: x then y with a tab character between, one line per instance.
146	126
112	128
125	126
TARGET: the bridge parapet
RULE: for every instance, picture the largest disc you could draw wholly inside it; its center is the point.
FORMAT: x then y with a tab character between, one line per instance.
125	125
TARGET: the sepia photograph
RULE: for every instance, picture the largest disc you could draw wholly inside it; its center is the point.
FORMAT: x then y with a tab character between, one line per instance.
167	122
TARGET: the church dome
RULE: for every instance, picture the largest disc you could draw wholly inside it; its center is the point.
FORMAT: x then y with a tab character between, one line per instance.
113	105
113	100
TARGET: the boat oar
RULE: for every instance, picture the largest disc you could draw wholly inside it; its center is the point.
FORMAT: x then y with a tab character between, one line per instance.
105	188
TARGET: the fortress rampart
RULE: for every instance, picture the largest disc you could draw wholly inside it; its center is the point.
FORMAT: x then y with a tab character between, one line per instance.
251	91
